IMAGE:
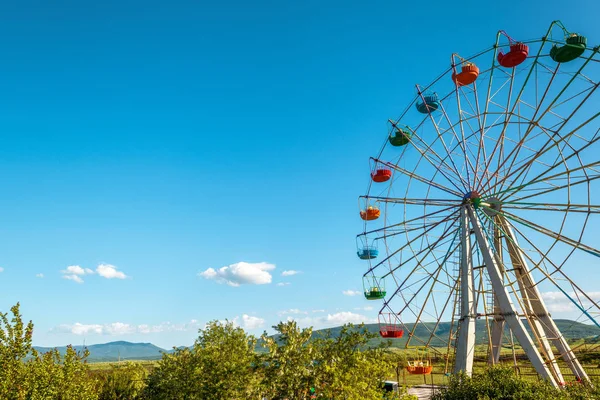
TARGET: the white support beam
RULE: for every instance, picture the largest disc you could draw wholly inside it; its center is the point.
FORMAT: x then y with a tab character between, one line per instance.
505	303
542	321
465	347
498	321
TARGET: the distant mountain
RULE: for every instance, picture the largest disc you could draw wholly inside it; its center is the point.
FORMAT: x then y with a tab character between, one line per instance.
114	351
569	329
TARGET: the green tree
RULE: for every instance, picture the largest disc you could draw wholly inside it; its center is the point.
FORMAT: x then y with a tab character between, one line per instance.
289	365
15	345
221	365
347	369
123	382
41	376
50	376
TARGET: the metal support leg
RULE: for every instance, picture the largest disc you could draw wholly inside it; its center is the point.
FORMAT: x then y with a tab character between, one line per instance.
498	322
542	321
505	303
465	347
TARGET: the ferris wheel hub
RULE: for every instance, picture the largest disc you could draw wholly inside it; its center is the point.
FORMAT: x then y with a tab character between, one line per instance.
472	197
492	206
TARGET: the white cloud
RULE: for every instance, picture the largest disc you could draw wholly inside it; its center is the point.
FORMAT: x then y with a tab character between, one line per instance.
39	275
346	317
365	308
109	271
292	311
331	320
75	272
351	292
120	328
283	284
250	322
318	311
241	273
558	302
75	278
290	272
1	269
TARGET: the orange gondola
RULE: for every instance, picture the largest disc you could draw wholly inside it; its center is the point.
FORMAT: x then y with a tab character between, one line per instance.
370	214
421	365
468	74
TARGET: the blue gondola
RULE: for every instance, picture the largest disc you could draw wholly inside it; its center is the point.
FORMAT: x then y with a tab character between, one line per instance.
367	253
428	104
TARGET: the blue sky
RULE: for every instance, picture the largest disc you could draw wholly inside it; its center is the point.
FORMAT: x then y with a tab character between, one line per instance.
162	139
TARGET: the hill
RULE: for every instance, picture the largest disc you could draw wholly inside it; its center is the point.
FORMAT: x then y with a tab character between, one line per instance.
122	350
114	351
570	330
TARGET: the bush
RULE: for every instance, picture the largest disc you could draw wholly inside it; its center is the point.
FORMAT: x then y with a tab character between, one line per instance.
123	382
26	374
502	383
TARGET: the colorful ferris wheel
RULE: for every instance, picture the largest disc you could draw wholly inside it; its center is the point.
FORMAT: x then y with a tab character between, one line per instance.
482	207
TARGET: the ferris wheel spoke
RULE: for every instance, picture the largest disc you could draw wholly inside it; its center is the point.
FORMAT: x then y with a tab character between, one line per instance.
419	265
572	181
427	152
460	140
553	142
586	169
513	155
559	207
421	179
429	249
418	202
430	228
554	235
499	146
509	114
445	116
420	218
557	270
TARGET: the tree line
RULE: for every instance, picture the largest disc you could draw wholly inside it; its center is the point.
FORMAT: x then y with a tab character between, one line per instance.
223	363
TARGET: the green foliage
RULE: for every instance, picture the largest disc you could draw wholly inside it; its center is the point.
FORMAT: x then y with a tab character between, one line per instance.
123	382
219	366
345	371
42	376
50	377
339	366
503	383
289	364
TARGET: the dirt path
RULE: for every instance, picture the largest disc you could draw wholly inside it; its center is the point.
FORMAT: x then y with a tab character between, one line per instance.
423	392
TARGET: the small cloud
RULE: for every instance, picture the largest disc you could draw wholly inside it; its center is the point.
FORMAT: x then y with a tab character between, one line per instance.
75	272
346	317
318	311
250	322
283	284
558	302
109	271
75	278
241	273
290	272
121	328
1	269
365	308
292	311
39	275
351	292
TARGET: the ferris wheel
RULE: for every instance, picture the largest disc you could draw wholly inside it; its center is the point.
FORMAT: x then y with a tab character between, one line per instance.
483	205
